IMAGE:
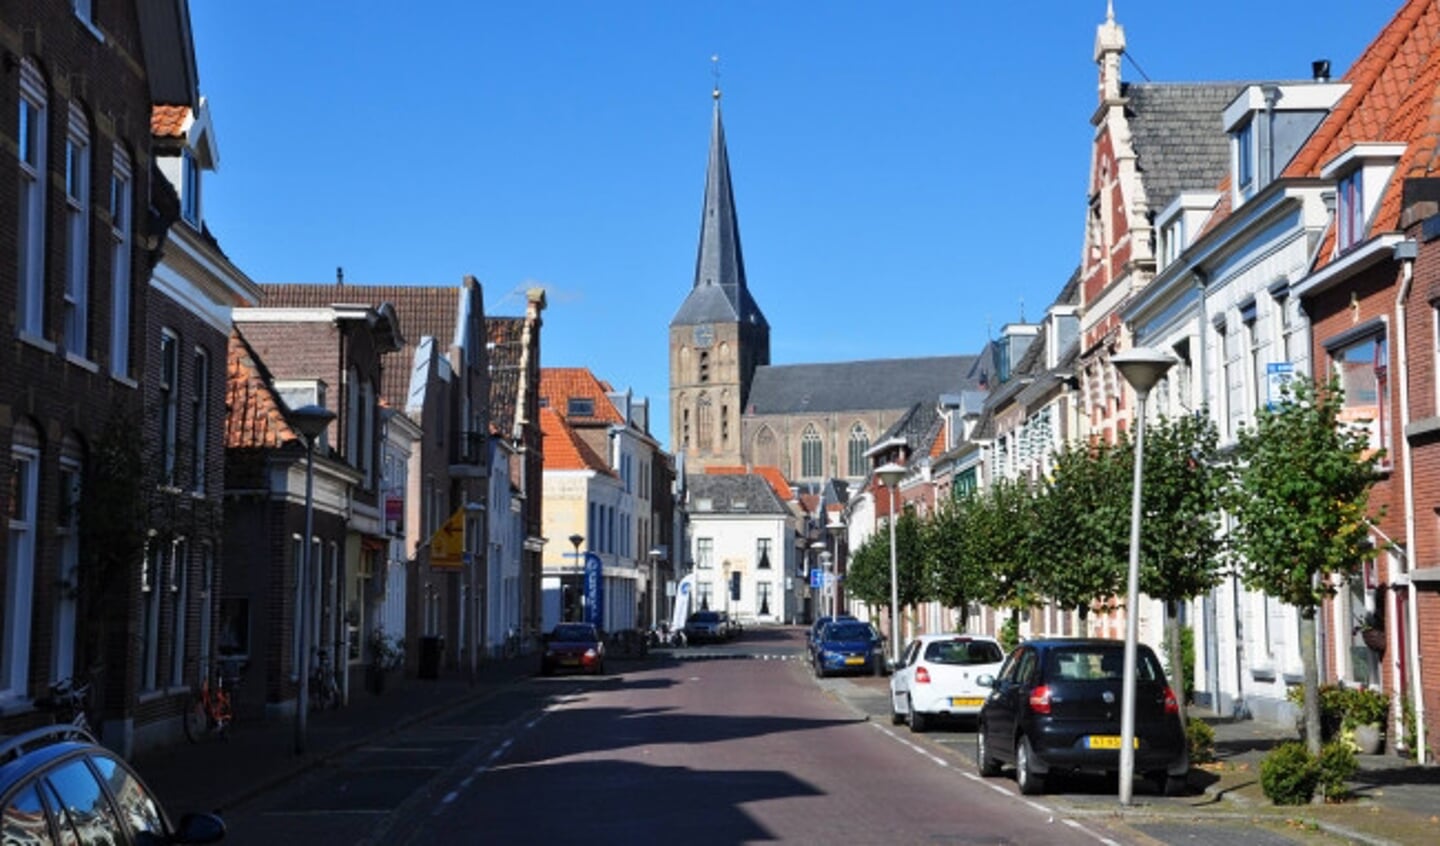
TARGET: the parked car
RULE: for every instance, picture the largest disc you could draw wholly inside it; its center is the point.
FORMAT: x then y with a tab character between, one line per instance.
813	640
57	785
705	627
849	646
1055	705
939	675
574	646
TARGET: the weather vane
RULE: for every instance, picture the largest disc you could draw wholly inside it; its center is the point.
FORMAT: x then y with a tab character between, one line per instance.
715	71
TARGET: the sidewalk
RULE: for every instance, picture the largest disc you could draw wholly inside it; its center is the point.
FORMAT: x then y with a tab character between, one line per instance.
216	774
1394	800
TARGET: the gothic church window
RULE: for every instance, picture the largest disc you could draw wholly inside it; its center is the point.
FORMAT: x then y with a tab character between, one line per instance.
704	423
811	450
767	452
859	445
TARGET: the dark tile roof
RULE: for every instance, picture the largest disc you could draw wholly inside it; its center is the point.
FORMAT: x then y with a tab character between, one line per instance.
733	493
1179	139
504	336
857	385
428	310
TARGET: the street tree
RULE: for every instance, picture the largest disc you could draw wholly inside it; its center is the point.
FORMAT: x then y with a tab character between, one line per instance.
950	573
1300	497
999	530
1181	542
1081	526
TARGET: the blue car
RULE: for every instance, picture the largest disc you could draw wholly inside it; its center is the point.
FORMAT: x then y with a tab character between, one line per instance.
849	646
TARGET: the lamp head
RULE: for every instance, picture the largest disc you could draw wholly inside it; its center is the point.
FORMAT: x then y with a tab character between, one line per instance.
576	540
310	420
890	474
1142	367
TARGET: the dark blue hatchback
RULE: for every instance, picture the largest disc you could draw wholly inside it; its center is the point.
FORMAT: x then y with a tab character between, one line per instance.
58	786
849	646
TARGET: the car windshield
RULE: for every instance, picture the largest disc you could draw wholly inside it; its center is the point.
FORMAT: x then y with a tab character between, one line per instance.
963	652
848	631
705	617
574	633
1099	663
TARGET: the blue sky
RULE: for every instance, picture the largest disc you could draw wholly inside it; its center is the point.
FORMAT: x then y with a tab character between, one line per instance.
908	176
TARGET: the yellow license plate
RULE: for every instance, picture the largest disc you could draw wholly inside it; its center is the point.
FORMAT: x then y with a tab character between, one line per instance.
854	660
1107	741
966	701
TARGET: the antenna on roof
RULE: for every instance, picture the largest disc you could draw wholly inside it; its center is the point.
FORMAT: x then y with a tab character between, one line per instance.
339	276
1022	309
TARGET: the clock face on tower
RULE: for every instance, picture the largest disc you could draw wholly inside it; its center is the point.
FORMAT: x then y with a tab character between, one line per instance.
704	335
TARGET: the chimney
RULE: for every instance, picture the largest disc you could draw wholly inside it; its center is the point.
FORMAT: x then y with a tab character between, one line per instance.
1320	70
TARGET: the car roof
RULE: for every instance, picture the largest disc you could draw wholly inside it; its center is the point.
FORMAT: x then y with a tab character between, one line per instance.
29	759
929	638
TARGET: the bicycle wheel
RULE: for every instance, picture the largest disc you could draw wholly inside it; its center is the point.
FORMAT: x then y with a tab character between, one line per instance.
224	715
196	721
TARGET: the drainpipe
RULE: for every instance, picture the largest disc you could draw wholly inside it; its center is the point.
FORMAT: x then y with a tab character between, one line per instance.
1212	604
1406	251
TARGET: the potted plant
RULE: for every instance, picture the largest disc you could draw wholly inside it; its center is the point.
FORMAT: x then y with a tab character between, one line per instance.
1371	628
1365	712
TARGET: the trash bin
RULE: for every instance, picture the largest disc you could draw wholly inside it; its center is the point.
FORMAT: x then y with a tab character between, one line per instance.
430	649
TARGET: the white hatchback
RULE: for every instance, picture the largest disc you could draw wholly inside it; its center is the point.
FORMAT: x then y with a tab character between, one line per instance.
938	676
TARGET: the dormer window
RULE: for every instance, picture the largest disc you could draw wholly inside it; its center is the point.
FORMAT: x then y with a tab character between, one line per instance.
1360	174
1244	146
189	188
1350	211
1172	241
580	407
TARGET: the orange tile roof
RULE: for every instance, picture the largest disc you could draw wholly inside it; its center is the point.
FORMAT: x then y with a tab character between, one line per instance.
564	450
255	419
768	472
168	121
1392	98
558	385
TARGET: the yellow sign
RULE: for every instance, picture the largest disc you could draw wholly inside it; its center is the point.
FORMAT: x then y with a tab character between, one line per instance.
447	545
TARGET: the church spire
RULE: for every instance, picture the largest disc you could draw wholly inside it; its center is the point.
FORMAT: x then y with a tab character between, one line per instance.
719	260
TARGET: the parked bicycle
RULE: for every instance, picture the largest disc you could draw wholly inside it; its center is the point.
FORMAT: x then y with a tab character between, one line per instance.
324	688
69	702
211	709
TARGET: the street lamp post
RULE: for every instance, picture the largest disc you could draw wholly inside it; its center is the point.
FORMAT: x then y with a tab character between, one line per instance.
309	421
1142	368
890	476
655	556
816	548
835	528
575	541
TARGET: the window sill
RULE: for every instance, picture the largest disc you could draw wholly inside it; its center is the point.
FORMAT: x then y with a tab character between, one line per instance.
1263	674
82	362
37	341
91	27
124	380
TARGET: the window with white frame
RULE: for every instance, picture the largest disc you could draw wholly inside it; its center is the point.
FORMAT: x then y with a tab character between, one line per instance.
1349	211
1255	368
705	592
1232	382
1361	367
762	553
1435	353
169	403
1172	241
704	553
30	238
1284	323
810	453
152	588
77	234
121	198
190	187
199	419
19	561
1182	374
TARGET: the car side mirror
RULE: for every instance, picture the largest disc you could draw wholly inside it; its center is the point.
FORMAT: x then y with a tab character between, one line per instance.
200	828
985	680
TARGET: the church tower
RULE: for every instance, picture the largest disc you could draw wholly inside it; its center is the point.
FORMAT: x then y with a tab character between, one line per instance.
718	337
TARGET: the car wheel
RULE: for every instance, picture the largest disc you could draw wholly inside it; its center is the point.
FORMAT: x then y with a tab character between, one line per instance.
1030	782
919	720
989	765
1176	785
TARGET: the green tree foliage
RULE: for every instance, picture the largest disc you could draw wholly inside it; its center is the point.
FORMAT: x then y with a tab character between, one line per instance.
868	575
998	524
1300	499
1082	526
950	574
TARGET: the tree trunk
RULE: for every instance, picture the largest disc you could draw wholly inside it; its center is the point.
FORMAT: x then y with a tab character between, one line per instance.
1178	670
1312	680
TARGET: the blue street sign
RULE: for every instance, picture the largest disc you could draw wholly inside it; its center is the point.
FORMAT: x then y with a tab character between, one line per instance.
594	590
1277	373
817	577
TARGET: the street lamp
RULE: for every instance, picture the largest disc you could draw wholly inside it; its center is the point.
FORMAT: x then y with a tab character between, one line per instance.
1142	368
575	541
890	476
836	526
655	556
309	421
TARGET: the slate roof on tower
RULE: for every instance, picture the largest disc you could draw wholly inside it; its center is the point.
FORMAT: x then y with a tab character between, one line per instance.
889	383
719	294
